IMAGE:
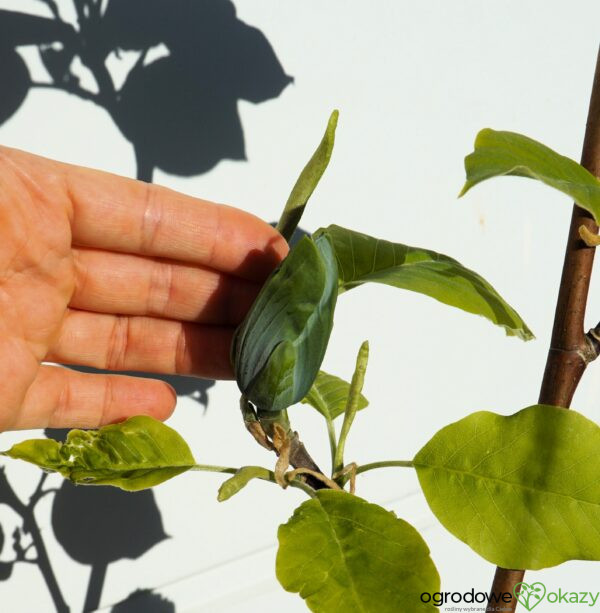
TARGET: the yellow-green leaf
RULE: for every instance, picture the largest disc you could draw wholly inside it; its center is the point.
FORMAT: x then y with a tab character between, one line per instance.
523	491
341	553
508	153
362	259
329	394
133	455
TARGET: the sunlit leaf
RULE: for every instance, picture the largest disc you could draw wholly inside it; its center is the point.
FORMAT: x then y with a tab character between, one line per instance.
509	153
341	553
308	180
523	491
362	259
279	347
133	455
241	479
329	394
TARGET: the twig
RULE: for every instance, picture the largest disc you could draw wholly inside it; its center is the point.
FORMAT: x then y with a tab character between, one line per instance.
570	349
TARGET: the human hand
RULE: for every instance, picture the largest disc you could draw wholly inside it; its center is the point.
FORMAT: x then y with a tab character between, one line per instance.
103	271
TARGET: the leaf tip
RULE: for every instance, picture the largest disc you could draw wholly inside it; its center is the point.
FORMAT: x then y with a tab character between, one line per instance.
465	188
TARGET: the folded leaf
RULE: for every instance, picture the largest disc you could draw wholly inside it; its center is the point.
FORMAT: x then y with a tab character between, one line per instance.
307	181
133	455
329	394
509	153
278	348
362	258
342	553
241	479
522	491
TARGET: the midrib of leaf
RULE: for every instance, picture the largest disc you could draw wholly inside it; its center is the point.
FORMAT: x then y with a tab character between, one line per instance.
320	400
510	483
343	557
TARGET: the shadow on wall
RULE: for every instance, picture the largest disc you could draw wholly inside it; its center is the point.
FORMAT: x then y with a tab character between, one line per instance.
177	106
178	110
144	601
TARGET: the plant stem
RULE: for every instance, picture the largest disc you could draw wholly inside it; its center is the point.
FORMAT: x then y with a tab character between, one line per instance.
332	441
230	470
356	386
384	464
372	466
299	456
570	348
215	469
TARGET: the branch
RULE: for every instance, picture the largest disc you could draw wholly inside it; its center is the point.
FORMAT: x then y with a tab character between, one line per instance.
570	348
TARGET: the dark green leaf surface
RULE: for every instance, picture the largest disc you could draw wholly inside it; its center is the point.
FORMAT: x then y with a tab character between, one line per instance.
307	181
341	553
133	455
362	259
523	491
279	347
509	153
329	394
240	480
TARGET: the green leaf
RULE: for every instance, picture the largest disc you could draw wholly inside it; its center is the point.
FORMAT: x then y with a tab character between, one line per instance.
329	394
278	348
133	455
362	258
342	553
523	491
307	181
241	479
508	153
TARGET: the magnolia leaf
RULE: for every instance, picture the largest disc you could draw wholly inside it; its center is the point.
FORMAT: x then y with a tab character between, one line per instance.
342	553
133	455
307	181
278	349
329	395
523	491
362	258
241	479
509	153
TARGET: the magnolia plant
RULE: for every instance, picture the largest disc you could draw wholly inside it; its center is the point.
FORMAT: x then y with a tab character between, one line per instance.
493	481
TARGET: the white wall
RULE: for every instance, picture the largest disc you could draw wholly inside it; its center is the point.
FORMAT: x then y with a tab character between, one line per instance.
414	82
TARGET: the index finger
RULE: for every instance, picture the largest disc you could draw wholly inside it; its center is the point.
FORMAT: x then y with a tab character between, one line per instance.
120	214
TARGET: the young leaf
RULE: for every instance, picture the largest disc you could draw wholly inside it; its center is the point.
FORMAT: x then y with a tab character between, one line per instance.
278	348
342	553
508	153
523	491
133	455
241	479
362	258
329	394
307	181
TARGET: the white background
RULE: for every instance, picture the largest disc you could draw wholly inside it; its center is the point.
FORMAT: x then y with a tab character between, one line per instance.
414	82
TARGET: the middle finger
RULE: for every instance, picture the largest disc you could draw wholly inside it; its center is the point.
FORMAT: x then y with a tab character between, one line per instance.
125	284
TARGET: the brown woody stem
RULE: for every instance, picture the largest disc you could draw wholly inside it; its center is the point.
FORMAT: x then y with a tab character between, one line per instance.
571	349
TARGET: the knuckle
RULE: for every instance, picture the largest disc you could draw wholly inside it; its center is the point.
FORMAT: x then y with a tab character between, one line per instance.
118	343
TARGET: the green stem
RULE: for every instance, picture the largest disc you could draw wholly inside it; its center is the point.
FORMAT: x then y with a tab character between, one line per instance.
297	483
214	469
384	464
352	404
332	441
